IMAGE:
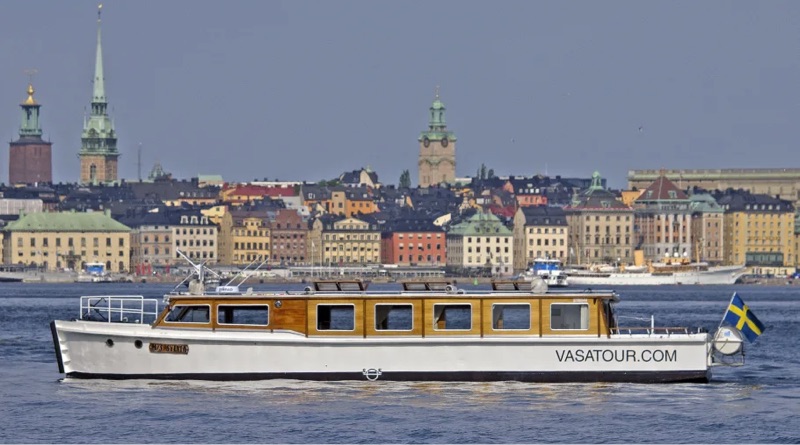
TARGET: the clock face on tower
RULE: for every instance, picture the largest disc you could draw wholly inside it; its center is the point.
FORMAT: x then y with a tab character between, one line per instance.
444	142
426	142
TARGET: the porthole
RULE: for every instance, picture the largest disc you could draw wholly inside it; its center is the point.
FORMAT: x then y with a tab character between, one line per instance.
138	344
110	343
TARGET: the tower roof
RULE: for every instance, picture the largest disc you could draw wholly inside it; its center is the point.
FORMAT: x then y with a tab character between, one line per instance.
662	189
30	100
437	125
30	128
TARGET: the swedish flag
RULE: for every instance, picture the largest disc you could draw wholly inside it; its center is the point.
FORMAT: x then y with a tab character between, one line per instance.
740	317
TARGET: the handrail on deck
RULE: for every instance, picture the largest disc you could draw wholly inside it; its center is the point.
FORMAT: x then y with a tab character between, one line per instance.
119	309
650	330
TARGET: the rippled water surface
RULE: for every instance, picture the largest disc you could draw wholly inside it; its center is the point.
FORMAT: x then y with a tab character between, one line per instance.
759	402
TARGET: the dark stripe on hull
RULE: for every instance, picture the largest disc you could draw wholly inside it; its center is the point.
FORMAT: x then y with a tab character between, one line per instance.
466	376
57	347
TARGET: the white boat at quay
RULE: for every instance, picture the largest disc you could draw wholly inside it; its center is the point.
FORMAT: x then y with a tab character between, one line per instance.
547	269
426	331
694	273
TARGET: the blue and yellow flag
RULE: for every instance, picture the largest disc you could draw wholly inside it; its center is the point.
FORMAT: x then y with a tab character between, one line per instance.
740	317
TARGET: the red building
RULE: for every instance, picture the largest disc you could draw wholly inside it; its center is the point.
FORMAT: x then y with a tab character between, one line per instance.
413	243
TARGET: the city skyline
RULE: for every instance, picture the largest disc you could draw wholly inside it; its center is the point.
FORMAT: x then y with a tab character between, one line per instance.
258	89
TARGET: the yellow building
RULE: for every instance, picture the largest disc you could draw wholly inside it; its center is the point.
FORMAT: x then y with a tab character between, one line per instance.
61	240
346	241
250	237
539	232
759	232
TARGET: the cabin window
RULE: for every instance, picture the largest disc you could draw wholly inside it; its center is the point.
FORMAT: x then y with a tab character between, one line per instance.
511	316
336	317
249	314
452	317
569	316
393	317
189	314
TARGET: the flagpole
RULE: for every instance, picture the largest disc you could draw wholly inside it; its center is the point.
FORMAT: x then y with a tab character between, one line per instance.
728	308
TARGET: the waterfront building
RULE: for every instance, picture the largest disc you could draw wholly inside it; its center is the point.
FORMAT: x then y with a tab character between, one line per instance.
57	240
289	236
98	154
480	244
340	241
413	242
437	149
243	235
781	182
151	240
759	231
600	226
194	234
708	228
539	232
30	157
662	222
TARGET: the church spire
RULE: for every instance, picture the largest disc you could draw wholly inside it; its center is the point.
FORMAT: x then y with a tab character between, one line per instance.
98	152
99	96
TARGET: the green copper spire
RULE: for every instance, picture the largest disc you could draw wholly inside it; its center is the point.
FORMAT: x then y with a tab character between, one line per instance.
30	117
98	135
437	126
98	139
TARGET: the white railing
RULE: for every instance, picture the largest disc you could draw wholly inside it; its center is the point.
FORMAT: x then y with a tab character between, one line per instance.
119	309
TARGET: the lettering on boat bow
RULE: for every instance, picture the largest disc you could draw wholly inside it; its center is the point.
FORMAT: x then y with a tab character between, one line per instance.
167	348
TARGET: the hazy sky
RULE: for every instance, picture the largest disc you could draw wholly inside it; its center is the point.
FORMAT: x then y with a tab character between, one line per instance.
306	90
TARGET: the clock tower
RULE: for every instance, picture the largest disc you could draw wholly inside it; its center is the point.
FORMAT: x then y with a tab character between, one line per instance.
437	149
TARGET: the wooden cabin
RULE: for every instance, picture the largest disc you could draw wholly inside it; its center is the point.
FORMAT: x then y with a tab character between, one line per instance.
421	309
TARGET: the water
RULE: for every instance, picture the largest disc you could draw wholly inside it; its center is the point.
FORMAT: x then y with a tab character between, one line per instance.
755	403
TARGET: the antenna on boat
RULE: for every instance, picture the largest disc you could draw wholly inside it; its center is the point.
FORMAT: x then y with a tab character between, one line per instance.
241	272
199	269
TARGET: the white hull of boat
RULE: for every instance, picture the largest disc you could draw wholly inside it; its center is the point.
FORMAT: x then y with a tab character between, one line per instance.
714	275
109	350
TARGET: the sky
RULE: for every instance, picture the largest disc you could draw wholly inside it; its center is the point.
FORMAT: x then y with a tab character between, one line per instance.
305	90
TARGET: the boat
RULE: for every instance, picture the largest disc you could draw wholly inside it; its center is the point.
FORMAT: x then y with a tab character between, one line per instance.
658	274
549	270
13	273
94	273
425	331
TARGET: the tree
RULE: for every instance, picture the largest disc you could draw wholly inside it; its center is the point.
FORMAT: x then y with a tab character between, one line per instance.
490	174
405	180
